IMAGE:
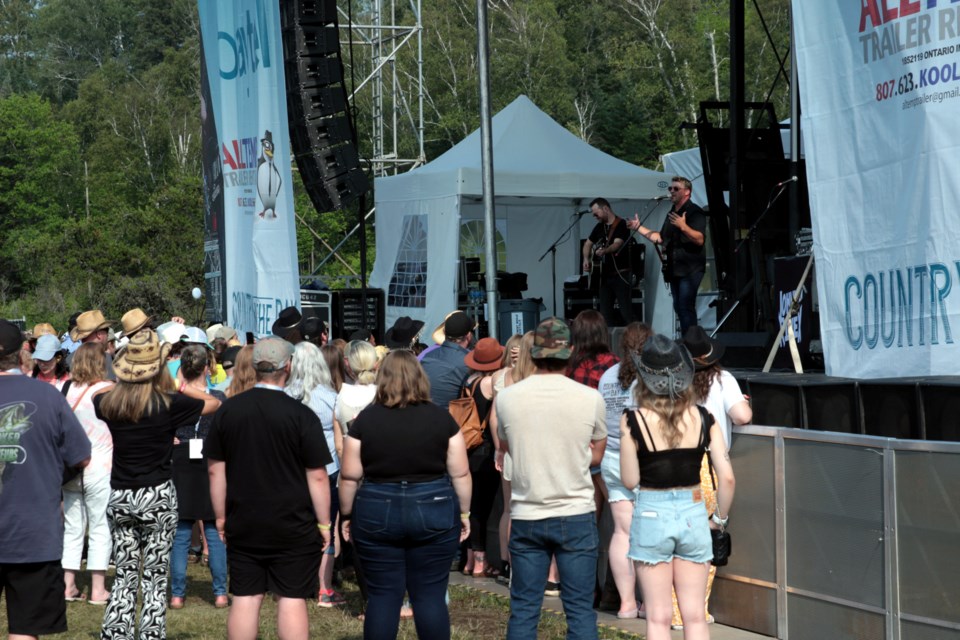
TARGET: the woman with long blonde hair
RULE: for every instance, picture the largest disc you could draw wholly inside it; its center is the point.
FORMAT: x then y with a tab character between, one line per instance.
143	411
662	444
244	375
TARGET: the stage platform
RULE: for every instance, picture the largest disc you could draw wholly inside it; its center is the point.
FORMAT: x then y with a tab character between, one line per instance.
926	408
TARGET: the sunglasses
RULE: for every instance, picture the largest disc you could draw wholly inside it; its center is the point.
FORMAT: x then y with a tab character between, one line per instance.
672	189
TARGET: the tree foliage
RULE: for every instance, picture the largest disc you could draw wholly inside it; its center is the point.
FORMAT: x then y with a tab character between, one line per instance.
100	200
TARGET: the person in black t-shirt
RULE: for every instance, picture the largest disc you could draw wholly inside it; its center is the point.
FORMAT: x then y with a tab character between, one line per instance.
606	242
416	479
270	451
143	413
685	261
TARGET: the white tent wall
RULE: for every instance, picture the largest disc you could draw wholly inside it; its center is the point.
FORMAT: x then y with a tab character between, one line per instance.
543	175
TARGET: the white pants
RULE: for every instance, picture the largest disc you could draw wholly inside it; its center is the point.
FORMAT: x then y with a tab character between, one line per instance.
86	511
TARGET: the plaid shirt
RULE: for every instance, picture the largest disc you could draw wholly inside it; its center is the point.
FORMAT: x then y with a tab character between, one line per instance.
588	372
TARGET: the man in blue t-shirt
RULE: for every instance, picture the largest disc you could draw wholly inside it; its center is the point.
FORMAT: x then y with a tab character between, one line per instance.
39	438
444	366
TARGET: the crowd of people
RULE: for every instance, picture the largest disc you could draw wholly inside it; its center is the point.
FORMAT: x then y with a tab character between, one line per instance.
163	443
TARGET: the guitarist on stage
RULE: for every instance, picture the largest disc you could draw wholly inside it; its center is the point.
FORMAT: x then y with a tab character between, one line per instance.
605	242
685	261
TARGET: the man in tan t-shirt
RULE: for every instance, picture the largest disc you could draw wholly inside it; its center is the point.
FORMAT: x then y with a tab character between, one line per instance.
554	429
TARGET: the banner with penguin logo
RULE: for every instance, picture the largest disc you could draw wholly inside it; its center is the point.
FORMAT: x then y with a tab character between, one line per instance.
250	242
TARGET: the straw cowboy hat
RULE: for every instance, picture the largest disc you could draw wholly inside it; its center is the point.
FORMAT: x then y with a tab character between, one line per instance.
142	358
87	323
134	320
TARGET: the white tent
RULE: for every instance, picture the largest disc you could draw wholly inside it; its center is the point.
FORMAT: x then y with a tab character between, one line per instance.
543	175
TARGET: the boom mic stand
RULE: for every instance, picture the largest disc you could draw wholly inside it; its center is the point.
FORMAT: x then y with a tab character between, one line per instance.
552	250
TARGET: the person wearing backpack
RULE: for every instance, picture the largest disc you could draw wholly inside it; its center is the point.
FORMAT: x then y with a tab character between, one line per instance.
484	361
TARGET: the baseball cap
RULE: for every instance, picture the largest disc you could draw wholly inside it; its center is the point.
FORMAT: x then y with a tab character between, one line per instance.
226	333
270	354
11	338
551	340
195	335
47	347
458	325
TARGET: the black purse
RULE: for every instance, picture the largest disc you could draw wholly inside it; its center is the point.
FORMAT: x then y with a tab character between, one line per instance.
722	545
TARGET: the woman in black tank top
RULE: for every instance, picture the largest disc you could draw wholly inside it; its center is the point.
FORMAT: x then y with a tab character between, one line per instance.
662	444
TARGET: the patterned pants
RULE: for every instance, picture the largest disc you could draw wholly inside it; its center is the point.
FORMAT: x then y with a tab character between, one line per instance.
710	502
142	524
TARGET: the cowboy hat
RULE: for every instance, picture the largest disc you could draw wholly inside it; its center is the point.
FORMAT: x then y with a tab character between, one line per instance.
87	323
134	320
665	366
289	320
704	350
142	358
403	332
486	356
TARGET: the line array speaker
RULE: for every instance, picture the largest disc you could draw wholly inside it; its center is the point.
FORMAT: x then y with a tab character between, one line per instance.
321	131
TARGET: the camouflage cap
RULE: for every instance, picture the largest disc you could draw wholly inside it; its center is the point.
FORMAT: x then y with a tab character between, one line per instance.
551	340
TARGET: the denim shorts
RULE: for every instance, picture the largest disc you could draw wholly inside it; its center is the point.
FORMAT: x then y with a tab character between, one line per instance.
610	469
670	524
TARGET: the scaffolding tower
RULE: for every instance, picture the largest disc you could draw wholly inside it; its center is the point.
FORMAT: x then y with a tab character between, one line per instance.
389	29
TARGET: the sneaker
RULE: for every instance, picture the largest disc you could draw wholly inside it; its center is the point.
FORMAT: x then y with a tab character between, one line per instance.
552	590
504	577
330	599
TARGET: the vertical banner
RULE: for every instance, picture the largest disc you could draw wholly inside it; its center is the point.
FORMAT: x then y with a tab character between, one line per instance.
247	108
880	91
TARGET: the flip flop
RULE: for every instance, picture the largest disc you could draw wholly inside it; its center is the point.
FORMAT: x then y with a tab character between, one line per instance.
78	597
99	603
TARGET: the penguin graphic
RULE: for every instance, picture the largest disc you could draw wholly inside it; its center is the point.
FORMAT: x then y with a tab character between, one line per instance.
268	178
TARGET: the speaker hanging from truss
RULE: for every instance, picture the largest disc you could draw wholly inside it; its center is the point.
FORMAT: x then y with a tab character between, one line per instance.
321	130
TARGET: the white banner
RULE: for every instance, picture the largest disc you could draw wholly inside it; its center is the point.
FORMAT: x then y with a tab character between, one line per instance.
244	58
880	91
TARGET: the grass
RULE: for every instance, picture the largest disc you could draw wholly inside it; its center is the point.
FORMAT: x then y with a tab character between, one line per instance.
474	615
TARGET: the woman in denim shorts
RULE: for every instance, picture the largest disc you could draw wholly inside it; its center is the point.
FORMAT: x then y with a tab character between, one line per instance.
662	445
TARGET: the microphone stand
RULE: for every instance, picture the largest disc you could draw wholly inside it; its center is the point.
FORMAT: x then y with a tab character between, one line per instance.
753	227
552	250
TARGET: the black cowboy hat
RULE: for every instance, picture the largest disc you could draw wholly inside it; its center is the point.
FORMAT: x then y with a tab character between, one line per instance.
402	333
704	349
287	322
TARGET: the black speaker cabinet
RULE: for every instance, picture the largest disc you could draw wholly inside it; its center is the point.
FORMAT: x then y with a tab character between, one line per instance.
940	401
321	131
350	315
891	408
831	404
776	401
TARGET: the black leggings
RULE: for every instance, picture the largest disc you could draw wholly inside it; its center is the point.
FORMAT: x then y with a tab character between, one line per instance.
486	483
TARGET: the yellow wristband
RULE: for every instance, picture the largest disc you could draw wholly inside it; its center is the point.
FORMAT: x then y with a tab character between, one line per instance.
323	527
465	516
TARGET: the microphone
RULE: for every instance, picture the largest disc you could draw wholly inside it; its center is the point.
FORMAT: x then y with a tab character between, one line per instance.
788	181
659	198
585	211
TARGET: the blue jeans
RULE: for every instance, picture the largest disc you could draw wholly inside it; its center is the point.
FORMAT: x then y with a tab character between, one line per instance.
406	535
574	541
178	558
684	290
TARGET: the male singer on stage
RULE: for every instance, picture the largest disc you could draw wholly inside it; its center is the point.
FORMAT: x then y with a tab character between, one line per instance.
685	260
605	242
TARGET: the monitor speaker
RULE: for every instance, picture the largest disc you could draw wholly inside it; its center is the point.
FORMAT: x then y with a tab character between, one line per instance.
891	409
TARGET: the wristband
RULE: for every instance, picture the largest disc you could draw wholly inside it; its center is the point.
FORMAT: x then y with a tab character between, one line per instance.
323	527
722	522
464	515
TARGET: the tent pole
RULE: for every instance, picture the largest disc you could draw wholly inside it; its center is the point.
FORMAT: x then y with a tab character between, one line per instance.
486	156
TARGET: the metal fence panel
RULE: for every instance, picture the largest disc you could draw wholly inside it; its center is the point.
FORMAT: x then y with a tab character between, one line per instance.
752	517
928	535
834	521
812	619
